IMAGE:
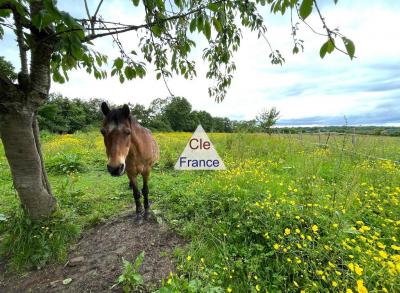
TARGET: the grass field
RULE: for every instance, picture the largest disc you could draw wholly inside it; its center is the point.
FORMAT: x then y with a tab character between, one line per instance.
287	215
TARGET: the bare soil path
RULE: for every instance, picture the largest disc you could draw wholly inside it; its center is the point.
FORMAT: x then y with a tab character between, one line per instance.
96	261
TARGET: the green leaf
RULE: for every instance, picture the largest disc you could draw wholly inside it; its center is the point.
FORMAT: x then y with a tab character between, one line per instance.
327	47
306	8
200	22
156	30
213	6
138	261
192	25
118	63
57	77
217	24
178	3
350	48
331	46
207	30
130	73
158	75
323	50
135	2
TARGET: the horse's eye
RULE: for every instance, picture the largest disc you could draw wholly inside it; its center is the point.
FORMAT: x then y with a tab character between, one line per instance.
103	131
127	131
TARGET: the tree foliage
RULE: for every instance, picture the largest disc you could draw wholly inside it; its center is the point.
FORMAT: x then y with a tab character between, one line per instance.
267	118
7	69
64	115
166	37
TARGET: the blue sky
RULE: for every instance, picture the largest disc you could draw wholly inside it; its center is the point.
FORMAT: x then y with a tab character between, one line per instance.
306	89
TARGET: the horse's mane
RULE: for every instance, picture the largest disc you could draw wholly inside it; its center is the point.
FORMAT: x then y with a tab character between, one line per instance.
118	116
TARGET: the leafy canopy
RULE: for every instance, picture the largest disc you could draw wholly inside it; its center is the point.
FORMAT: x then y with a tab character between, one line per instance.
166	36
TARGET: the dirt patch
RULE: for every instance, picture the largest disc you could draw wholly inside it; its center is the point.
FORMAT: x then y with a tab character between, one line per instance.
96	261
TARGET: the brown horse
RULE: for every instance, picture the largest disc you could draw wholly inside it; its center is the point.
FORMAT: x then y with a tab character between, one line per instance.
130	147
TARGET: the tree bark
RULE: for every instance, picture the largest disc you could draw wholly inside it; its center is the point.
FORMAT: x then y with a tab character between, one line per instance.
19	131
22	149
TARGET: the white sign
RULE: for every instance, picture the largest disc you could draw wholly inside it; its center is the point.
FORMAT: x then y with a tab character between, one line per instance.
199	154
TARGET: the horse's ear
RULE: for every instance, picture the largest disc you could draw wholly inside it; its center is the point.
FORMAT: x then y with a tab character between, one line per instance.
126	111
104	108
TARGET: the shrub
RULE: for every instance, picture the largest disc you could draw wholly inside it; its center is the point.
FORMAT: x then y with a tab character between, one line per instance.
63	163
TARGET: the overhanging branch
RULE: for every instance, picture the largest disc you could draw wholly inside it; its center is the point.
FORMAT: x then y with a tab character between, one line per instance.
149	25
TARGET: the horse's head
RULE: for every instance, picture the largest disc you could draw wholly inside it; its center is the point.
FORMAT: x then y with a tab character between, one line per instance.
116	131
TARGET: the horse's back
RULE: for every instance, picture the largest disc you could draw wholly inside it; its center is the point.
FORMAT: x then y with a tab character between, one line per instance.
150	149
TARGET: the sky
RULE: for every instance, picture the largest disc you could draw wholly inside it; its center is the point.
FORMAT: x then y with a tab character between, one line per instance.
307	90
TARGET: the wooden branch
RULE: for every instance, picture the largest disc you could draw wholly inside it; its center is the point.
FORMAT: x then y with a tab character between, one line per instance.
97	9
328	31
90	18
149	25
21	44
41	50
87	9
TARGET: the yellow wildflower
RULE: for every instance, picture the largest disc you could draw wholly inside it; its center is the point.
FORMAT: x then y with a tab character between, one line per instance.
395	247
381	245
358	270
287	231
360	287
334	283
383	254
229	289
314	228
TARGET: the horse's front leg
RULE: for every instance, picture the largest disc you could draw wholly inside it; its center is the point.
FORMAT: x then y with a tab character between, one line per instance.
145	192
136	195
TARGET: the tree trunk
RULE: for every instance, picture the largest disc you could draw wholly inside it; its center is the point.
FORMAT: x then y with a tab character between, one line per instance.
19	133
18	126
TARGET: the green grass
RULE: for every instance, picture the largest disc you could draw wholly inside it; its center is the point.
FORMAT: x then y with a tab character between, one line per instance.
287	215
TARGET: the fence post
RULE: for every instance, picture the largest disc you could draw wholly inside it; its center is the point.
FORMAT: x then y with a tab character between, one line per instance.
319	136
353	137
301	135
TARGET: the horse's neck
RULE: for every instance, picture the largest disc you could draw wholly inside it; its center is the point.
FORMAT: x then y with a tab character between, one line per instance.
135	148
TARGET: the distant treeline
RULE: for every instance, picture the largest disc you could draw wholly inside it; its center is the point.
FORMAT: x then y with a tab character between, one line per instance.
63	115
369	130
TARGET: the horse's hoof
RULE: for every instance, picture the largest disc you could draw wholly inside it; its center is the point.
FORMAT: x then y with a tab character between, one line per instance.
138	219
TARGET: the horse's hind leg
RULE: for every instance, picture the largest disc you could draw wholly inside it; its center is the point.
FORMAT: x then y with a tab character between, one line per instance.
145	192
136	195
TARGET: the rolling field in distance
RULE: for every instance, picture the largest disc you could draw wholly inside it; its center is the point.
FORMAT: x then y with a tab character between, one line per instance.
287	215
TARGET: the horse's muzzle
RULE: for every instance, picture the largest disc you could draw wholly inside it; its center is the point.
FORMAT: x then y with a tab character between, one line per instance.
116	171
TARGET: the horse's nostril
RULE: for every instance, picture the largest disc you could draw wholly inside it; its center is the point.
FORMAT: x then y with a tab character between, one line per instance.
116	171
